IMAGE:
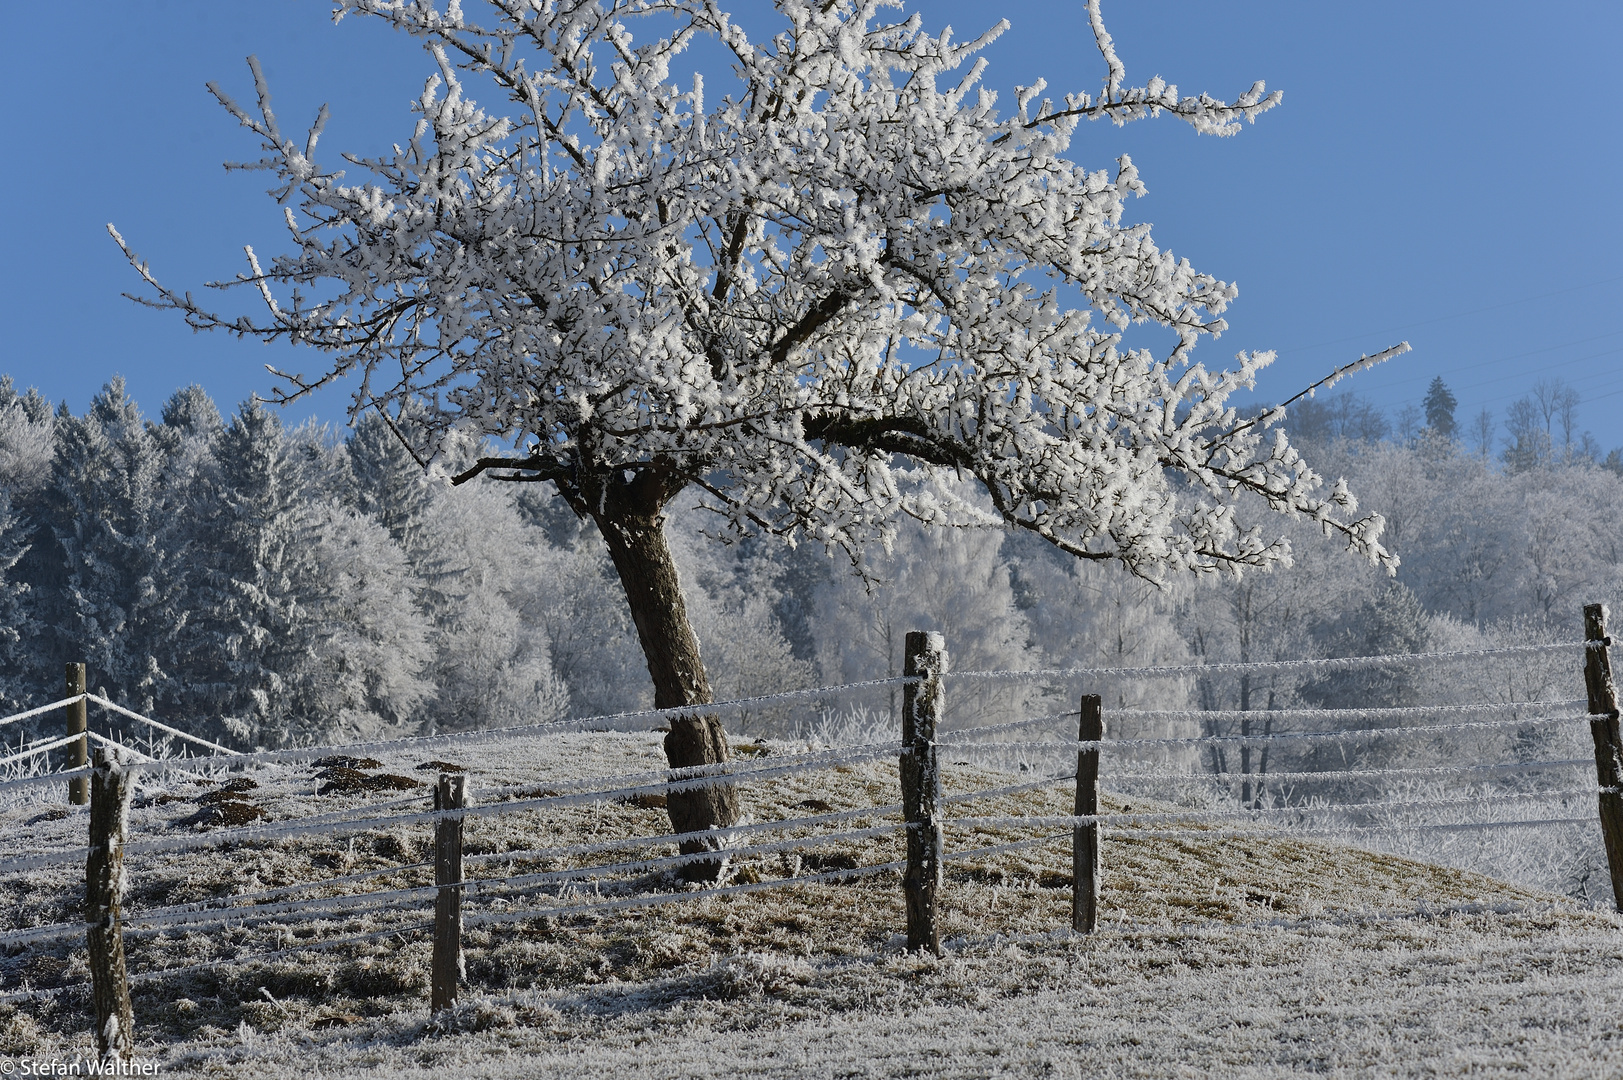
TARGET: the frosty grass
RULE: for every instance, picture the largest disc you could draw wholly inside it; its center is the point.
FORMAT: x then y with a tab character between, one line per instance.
1265	956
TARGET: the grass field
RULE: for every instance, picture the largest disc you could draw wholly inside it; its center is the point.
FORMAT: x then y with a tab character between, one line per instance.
1265	955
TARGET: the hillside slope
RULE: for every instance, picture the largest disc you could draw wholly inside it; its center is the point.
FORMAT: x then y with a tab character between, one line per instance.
1260	956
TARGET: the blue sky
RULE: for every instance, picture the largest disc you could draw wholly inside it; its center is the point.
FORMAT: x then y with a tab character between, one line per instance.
1442	172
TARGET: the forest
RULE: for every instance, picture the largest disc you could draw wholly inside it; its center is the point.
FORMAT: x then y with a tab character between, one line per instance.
266	586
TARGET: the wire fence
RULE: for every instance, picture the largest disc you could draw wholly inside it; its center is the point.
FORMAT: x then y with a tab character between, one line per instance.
647	877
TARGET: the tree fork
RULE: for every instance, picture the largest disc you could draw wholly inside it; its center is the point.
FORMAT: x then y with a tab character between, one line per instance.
653	589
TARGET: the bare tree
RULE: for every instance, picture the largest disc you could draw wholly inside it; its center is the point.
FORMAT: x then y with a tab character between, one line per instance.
1482	429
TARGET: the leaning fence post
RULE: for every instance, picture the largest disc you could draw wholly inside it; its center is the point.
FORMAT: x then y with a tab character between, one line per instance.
1603	724
922	707
1085	838
448	969
78	752
104	892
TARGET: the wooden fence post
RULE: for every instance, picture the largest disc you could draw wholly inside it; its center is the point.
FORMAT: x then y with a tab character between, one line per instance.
78	752
1603	725
922	708
448	968
1085	838
104	892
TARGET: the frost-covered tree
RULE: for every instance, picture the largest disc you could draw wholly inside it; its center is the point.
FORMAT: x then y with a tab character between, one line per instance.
1084	615
16	625
956	582
490	662
388	484
32	582
26	429
107	505
847	257
1264	617
305	624
1340	418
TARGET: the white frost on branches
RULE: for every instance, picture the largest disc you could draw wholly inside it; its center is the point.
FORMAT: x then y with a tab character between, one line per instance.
850	261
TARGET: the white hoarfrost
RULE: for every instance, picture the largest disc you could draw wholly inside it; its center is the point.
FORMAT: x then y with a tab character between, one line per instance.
772	290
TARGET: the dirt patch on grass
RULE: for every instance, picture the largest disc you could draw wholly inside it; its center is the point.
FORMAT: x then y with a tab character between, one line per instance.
340	761
344	780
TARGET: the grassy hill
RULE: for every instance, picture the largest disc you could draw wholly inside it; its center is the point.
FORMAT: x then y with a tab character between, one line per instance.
1265	955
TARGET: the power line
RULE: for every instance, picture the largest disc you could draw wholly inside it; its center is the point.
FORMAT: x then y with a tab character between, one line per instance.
1456	315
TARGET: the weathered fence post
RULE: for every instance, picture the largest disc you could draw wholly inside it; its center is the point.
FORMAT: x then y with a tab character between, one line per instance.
1085	838
1603	724
448	969
78	752
104	892
922	707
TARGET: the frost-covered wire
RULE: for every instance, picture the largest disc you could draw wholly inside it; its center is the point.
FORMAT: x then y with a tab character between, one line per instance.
234	961
157	921
1381	713
319	908
427	743
114	744
237	902
41	748
220	903
1335	662
307	827
255	833
1198	815
44	780
1352	774
492	918
216	747
490	886
998	849
245	908
959	746
18	717
958	735
653	781
732	832
1010	789
1122	832
1467	826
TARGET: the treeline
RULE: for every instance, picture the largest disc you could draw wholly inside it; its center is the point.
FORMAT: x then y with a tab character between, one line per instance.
268	586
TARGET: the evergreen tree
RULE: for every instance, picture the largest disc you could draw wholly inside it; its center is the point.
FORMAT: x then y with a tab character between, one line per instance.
25	443
105	506
17	684
310	630
388	484
1439	405
36	578
35	408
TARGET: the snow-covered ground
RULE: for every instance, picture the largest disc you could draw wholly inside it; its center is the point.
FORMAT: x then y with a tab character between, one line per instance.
1265	955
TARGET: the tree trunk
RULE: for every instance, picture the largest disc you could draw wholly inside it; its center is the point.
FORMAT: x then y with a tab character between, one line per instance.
636	540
